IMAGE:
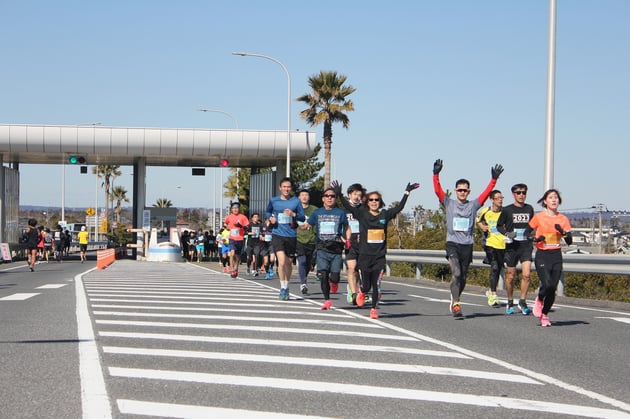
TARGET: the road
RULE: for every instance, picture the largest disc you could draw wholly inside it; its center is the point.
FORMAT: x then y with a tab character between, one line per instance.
184	340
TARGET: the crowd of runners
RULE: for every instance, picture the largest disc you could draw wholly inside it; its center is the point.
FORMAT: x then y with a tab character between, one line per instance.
294	231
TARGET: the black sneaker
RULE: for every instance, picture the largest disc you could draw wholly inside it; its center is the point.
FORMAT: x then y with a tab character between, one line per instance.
304	290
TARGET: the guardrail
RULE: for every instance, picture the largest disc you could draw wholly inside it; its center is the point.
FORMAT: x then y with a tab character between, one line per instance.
575	262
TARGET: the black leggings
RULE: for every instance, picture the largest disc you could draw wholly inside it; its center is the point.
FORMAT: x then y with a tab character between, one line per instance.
496	258
549	269
370	280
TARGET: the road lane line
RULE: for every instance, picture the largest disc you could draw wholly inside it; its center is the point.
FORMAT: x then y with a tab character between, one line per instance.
619	319
50	286
94	398
283	343
367	391
213	303
323	363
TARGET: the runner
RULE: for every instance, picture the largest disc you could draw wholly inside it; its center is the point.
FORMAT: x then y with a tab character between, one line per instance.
252	249
355	197
460	219
495	243
513	222
306	242
549	227
373	222
284	212
236	224
330	224
83	242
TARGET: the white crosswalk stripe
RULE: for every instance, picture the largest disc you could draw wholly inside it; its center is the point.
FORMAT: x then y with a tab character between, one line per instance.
189	347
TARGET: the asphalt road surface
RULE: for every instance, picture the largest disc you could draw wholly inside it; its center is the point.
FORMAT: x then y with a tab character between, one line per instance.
184	340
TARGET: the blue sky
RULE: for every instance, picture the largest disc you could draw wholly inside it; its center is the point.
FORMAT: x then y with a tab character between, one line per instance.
460	80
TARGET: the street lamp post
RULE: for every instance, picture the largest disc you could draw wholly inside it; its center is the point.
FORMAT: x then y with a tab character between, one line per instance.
275	60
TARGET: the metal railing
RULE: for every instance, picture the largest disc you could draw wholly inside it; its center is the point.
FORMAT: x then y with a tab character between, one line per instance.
575	262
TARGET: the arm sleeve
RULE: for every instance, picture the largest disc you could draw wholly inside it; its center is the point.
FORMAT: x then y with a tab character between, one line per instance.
486	192
501	223
299	214
391	213
437	187
269	210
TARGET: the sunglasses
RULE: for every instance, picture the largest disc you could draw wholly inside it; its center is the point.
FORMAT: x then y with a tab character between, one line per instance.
461	190
520	193
374	199
329	195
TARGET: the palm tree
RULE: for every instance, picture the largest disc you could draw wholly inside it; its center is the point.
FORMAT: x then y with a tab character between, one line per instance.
326	104
108	173
163	203
119	195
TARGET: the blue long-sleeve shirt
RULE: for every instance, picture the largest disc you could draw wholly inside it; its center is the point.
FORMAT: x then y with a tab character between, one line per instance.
285	225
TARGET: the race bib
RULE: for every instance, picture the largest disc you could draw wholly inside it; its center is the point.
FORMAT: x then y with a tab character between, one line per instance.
354	226
520	234
461	224
327	228
375	236
268	238
284	219
235	232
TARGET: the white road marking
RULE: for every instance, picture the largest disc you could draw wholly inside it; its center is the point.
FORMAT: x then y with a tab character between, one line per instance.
309	320
619	319
20	296
142	408
190	298
213	303
284	343
254	329
324	363
50	286
367	391
94	398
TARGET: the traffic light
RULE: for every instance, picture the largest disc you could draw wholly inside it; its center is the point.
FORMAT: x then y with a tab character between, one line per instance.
76	160
225	163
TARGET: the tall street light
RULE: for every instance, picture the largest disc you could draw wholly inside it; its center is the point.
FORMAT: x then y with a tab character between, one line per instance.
214	211
275	60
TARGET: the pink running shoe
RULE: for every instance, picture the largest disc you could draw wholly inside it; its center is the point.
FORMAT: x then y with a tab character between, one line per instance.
360	299
538	306
544	321
373	313
334	287
327	305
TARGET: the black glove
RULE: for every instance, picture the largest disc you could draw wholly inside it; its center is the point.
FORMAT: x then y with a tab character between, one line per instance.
437	167
539	239
237	224
337	188
559	229
510	234
496	171
411	186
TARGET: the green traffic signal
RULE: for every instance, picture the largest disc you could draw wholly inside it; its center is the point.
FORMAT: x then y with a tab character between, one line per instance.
76	160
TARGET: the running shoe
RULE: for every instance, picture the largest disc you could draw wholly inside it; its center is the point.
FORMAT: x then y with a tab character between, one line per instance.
457	309
282	293
368	299
304	289
268	275
286	294
327	305
544	321
538	305
360	299
490	297
234	274
255	274
348	294
522	305
373	313
334	287
271	273
354	299
225	269
495	301
249	271
510	310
